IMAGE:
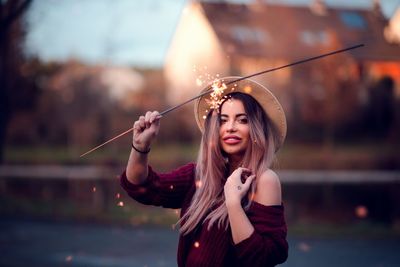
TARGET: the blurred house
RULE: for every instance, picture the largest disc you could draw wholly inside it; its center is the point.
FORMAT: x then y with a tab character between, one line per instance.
392	30
219	38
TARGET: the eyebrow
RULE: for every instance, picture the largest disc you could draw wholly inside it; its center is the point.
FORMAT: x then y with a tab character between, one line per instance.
237	115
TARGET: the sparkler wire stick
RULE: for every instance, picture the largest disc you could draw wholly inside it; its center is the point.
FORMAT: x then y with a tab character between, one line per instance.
236	80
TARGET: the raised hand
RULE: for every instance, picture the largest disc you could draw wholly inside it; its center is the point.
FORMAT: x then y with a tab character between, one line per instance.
145	129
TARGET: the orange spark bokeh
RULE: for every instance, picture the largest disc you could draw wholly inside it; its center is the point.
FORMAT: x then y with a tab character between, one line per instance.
361	211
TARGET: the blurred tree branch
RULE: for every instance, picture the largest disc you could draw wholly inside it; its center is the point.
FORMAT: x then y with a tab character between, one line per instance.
11	35
16	10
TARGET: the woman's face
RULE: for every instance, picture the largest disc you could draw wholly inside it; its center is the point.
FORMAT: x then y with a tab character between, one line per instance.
234	131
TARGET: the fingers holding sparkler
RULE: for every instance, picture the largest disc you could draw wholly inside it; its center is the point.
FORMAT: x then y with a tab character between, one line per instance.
145	129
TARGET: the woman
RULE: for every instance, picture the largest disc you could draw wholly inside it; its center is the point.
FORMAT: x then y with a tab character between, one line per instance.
231	209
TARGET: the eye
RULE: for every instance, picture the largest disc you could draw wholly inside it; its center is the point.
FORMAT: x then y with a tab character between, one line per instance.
243	120
222	120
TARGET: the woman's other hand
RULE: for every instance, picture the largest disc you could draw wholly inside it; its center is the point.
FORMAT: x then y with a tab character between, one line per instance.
234	188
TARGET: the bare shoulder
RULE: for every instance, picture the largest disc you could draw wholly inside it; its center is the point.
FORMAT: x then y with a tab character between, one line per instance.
268	189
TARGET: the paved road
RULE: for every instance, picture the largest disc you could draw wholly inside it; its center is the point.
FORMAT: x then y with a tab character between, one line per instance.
50	244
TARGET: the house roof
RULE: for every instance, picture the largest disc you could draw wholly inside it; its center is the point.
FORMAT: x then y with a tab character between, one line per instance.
281	31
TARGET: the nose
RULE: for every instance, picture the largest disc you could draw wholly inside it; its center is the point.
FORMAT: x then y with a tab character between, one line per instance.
231	126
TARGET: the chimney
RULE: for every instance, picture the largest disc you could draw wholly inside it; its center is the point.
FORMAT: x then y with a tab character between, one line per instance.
260	2
377	9
318	8
258	5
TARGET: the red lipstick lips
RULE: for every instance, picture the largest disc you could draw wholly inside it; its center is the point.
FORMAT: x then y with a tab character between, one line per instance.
232	139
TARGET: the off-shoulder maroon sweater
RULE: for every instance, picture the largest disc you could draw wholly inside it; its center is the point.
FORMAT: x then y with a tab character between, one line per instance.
266	246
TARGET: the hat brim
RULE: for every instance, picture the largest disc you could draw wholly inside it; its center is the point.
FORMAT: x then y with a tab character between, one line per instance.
261	94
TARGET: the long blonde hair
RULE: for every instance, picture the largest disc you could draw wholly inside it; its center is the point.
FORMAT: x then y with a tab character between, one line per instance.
208	202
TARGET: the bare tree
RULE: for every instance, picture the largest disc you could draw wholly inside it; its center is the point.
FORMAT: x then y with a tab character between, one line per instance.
11	35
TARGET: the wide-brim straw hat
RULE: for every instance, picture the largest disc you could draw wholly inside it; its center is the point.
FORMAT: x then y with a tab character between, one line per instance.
261	94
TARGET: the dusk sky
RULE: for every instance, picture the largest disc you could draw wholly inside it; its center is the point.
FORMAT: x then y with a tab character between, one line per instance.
123	32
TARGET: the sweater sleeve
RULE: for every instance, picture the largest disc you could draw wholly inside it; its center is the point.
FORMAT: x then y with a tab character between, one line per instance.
162	189
267	245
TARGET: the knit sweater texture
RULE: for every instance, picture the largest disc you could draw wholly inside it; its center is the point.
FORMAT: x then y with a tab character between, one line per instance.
266	246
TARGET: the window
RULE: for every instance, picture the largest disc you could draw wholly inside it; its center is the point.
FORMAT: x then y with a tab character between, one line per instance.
314	37
353	19
247	34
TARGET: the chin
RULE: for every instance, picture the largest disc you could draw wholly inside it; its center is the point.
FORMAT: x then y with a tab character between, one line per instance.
234	151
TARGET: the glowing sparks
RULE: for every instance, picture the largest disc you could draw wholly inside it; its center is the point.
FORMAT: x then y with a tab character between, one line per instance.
247	89
216	96
217	87
203	76
142	190
304	247
171	187
196	244
120	204
198	183
233	87
68	258
361	211
199	82
94	189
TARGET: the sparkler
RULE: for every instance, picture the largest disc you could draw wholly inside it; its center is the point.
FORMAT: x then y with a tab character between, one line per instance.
217	85
217	90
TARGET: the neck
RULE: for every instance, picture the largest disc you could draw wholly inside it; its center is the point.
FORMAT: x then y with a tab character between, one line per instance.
234	163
